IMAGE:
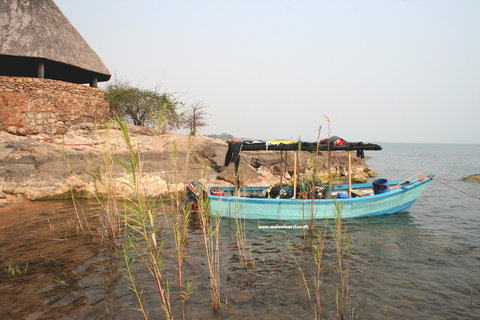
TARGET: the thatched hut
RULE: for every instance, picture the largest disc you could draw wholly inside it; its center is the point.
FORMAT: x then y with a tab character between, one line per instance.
43	63
37	40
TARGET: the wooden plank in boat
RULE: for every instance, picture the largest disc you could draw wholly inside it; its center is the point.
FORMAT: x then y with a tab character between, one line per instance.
360	193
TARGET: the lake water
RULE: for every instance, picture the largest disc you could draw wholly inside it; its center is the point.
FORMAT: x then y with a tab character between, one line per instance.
421	264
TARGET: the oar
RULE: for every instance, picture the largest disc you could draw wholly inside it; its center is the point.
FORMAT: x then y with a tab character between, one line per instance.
421	178
398	185
411	182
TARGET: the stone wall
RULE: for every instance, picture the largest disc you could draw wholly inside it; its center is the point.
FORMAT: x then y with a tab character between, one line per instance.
32	105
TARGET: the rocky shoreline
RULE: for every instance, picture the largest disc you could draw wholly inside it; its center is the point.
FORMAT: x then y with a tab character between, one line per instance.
43	167
473	178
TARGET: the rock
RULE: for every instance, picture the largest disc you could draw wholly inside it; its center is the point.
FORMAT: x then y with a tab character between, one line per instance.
35	167
12	129
60	131
83	126
473	178
22	132
359	178
369	173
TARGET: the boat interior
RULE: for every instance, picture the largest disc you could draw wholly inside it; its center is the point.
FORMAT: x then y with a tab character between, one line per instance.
286	192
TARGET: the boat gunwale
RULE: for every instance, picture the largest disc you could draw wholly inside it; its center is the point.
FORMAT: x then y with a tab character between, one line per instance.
391	193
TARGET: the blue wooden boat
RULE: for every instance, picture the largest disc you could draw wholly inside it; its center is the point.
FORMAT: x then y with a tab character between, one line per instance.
359	200
398	200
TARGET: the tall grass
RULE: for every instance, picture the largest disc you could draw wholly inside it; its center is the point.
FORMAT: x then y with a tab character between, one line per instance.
244	250
317	241
105	190
344	251
108	197
81	219
180	217
11	268
309	186
141	238
141	244
104	177
210	225
318	245
343	254
135	209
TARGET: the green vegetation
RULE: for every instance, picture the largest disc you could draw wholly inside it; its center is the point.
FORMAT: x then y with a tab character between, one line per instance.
142	106
11	268
145	107
473	178
344	252
141	240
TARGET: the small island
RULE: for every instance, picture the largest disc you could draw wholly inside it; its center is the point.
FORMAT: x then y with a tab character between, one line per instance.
473	178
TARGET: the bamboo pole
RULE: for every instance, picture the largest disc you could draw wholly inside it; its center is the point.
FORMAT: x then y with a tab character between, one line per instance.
398	185
349	174
295	155
281	168
234	180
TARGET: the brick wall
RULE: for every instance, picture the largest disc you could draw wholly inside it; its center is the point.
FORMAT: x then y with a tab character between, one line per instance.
32	105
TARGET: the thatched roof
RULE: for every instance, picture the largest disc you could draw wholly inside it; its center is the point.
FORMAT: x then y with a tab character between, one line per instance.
37	29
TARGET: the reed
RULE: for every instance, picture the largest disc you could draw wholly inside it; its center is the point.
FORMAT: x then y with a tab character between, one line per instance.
211	234
209	224
141	238
329	155
304	279
104	177
15	269
130	270
314	176
8	266
107	197
344	251
318	244
181	219
81	219
244	249
180	216
141	241
317	241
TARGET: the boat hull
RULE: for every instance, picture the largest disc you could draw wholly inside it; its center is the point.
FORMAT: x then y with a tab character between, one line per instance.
398	200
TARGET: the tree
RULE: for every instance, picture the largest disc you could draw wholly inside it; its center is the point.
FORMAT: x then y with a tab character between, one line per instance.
140	106
194	117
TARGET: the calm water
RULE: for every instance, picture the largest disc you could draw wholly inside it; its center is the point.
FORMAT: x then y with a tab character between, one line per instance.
424	264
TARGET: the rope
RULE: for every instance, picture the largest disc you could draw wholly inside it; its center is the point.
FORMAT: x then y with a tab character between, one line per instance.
455	188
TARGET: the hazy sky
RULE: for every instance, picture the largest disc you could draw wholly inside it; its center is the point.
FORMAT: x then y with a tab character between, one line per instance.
384	71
